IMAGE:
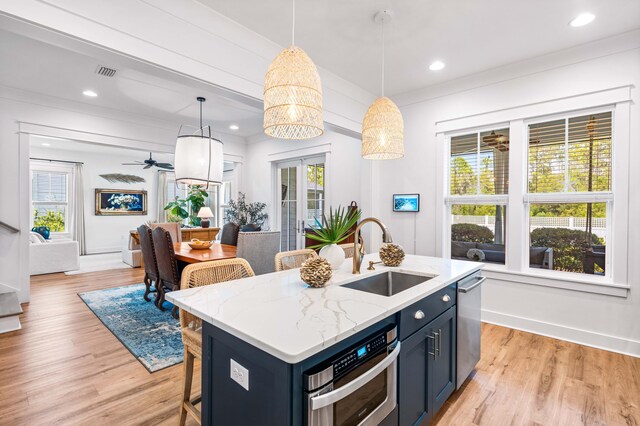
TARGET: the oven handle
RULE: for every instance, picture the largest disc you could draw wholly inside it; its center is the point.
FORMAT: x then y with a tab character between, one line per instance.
340	393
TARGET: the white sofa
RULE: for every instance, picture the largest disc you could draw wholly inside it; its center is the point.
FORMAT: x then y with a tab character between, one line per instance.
48	257
132	253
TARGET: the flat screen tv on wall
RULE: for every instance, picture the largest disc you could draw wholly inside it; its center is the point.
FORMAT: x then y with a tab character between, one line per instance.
406	202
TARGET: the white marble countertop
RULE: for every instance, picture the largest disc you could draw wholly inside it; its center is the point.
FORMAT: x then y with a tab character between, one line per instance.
284	317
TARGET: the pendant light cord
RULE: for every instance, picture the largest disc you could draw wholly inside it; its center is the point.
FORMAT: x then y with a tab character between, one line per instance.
382	91
293	24
201	128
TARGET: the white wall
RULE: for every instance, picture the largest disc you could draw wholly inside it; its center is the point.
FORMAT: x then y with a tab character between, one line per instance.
24	114
343	174
104	234
593	319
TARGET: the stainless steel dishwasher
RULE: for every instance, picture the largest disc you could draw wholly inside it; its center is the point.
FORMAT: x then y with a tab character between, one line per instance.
469	305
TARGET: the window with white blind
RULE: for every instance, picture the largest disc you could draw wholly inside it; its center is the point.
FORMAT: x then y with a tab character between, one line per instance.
50	196
569	191
478	195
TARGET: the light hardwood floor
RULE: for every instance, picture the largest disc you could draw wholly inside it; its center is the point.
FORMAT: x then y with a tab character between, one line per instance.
65	367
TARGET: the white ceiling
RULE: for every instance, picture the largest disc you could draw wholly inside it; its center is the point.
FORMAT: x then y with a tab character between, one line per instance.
44	144
137	88
470	36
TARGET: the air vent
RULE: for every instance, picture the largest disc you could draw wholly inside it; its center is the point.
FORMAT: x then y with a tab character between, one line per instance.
106	71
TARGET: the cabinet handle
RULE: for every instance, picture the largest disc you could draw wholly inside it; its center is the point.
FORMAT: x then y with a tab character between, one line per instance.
436	344
433	354
446	298
439	342
419	315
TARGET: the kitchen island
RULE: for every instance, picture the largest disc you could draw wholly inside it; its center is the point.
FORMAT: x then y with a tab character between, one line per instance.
276	330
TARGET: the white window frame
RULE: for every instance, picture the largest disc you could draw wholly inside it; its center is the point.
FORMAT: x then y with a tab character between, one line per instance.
516	268
569	197
477	199
55	167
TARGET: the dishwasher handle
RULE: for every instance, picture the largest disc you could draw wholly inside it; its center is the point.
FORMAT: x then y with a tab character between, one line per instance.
468	288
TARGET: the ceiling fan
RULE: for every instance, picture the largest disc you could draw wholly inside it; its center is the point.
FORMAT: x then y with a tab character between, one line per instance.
150	163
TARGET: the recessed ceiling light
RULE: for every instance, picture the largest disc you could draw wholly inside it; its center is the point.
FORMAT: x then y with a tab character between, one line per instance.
436	66
234	127
90	93
46	144
582	19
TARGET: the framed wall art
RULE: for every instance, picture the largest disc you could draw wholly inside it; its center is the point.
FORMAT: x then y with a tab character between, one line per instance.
120	202
406	202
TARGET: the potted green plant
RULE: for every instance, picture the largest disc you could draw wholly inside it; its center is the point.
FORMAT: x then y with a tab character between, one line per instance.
334	229
183	208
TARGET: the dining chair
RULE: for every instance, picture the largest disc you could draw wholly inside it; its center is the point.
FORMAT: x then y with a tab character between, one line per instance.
169	275
150	262
293	259
348	248
198	275
229	234
259	249
172	227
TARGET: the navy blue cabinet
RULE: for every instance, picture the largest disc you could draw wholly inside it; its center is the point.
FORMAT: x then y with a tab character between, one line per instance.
442	366
427	368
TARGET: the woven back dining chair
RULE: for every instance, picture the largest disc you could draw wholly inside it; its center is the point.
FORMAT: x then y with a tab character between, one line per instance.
293	259
198	275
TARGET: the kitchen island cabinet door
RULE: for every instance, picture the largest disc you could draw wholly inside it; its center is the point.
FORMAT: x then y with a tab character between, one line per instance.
442	367
413	379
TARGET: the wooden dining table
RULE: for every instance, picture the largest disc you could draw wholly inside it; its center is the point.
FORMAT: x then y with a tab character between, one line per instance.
186	254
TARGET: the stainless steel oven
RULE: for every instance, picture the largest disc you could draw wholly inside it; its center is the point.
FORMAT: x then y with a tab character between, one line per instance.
357	386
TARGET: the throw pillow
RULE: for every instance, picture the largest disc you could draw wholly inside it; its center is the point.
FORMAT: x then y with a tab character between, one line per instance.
475	254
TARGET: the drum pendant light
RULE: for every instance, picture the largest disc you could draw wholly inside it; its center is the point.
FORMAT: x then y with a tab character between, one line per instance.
199	159
383	126
293	95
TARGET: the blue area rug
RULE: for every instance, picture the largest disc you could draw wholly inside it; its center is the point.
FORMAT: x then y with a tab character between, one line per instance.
151	335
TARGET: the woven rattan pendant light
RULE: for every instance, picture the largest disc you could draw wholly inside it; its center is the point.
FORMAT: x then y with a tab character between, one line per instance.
292	95
383	126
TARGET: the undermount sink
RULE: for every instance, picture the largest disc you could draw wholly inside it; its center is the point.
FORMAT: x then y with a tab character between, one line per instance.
388	283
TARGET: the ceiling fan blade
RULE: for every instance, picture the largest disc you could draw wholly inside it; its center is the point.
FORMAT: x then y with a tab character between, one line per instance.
164	165
132	164
147	166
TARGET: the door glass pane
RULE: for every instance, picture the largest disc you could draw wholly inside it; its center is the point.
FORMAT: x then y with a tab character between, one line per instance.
315	193
288	208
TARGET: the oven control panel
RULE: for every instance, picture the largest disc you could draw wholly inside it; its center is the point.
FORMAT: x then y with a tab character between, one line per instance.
355	356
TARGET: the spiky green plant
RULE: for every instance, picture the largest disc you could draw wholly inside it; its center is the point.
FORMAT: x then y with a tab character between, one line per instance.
335	228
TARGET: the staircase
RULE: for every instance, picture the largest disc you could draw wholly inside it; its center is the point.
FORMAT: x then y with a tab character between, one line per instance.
10	309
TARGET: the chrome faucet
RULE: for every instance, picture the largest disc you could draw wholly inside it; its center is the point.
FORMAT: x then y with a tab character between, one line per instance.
358	253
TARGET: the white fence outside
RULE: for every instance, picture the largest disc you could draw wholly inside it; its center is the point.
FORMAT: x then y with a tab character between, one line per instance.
598	224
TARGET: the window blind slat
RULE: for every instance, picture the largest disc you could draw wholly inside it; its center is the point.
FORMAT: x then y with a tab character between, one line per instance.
479	163
571	155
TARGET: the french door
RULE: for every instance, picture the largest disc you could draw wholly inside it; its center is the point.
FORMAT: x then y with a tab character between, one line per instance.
301	199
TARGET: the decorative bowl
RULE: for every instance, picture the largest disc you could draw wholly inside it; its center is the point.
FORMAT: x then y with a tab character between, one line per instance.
199	245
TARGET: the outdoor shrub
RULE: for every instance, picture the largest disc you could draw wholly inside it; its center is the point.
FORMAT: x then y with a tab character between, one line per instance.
51	219
569	246
471	233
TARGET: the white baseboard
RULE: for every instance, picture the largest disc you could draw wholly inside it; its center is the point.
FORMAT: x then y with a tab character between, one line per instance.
570	334
6	288
104	250
8	324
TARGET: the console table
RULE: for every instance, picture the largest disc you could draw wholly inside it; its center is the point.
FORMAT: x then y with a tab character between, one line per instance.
204	234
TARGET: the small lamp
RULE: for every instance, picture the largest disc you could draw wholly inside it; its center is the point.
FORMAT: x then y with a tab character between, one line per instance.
205	213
